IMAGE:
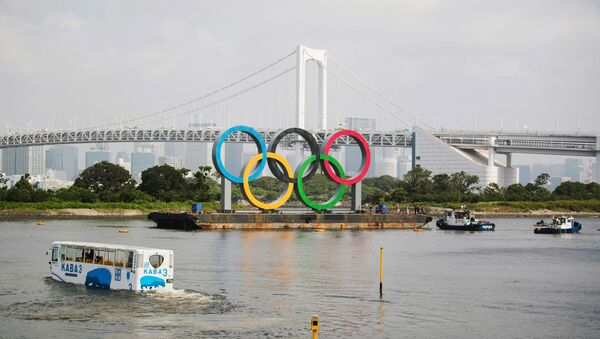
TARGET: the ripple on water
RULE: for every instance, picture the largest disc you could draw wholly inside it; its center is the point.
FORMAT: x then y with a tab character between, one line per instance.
78	303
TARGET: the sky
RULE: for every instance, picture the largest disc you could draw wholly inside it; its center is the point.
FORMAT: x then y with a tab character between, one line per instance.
455	64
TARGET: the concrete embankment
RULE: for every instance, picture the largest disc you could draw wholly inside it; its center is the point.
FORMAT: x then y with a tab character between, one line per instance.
69	213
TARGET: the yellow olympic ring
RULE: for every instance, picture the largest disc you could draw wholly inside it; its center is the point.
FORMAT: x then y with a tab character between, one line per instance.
246	185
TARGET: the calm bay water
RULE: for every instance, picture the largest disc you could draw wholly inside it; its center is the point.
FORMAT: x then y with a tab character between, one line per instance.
508	283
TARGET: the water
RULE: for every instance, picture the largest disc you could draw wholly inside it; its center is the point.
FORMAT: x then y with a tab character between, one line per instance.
508	283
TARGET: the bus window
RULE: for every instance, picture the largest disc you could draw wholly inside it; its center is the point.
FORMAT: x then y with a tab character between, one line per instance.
89	255
63	253
129	262
78	254
120	258
110	258
55	254
100	254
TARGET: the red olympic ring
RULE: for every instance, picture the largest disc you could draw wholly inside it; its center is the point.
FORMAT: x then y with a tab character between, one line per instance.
366	159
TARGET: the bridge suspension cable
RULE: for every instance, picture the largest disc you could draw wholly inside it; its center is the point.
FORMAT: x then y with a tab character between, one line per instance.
236	94
207	95
379	94
359	92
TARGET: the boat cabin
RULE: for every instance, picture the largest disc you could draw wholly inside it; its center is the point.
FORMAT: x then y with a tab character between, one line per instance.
111	266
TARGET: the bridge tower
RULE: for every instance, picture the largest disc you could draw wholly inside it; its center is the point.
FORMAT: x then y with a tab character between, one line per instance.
303	55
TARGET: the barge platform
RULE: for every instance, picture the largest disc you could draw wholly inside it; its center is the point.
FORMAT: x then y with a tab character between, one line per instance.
300	221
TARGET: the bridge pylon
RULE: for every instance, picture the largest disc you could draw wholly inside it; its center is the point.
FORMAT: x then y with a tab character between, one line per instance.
303	55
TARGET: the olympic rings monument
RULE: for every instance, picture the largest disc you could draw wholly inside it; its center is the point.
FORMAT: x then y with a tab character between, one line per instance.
320	215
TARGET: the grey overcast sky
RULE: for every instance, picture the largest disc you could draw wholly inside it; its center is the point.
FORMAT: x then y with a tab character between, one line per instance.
458	64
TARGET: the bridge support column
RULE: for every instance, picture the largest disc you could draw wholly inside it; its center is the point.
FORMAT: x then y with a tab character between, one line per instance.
225	195
356	196
508	159
491	152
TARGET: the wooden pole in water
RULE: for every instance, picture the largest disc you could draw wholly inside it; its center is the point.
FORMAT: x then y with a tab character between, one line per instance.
381	272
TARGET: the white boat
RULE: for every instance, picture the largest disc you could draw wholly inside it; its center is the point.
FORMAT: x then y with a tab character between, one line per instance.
559	225
109	266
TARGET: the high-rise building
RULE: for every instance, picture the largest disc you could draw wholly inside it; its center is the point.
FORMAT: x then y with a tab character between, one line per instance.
96	154
353	156
63	158
21	160
198	153
524	174
174	149
404	165
142	158
233	157
574	169
176	162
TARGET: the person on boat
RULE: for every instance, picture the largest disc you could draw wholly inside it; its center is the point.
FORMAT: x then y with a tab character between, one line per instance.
541	222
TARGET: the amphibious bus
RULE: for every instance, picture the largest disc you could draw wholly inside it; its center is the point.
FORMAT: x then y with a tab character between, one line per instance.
109	266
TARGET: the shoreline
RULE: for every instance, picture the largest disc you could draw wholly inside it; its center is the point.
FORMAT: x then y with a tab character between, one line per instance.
90	213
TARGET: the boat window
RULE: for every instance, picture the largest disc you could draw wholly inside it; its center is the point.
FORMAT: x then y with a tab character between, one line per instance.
55	254
109	259
129	262
170	260
70	252
156	260
78	254
121	258
89	255
449	214
63	253
100	254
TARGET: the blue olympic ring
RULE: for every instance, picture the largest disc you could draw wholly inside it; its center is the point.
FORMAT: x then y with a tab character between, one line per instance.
258	140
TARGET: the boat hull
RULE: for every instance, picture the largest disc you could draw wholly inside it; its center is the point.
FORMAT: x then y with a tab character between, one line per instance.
477	227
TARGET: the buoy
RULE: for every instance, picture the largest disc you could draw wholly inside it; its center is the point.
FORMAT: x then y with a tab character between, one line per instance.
41	222
123	231
319	230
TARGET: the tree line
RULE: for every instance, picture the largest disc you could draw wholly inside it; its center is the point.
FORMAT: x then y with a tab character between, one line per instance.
107	182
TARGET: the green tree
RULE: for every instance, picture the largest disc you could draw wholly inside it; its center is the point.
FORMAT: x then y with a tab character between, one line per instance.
105	179
517	192
75	193
441	183
204	188
493	192
537	190
463	183
417	182
572	190
542	179
164	182
22	191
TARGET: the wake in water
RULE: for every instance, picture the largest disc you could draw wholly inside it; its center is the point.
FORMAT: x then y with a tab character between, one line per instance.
62	301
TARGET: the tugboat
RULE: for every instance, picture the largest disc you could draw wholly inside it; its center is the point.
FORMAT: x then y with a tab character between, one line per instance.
559	225
462	220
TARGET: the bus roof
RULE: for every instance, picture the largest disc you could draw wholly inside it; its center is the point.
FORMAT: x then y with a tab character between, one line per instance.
107	246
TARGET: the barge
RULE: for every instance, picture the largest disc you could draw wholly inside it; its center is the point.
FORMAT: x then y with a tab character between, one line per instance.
300	220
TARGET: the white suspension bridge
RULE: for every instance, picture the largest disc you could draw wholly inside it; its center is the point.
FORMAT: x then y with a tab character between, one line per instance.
224	106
